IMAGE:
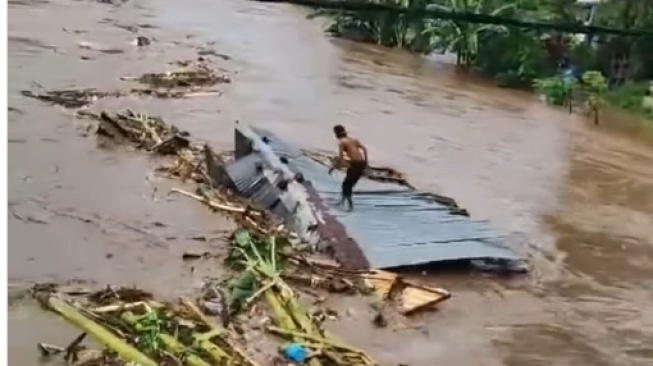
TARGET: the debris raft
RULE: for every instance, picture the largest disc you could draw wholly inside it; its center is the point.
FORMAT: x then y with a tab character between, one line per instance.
145	132
146	332
70	98
197	163
189	161
194	76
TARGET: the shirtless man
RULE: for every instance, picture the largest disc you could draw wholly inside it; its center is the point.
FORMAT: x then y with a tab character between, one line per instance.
357	155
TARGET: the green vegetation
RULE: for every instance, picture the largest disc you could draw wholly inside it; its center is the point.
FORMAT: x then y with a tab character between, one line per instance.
556	89
522	58
632	97
591	90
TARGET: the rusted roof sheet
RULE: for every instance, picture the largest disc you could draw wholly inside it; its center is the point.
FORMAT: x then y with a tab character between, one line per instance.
391	226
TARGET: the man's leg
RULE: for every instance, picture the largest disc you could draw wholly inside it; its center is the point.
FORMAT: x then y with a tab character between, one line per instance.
355	175
347	187
341	200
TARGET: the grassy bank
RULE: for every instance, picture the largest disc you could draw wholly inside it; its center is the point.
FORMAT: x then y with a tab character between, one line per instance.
633	98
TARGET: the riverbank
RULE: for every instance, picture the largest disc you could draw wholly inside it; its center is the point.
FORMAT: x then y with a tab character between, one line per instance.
633	98
509	57
582	196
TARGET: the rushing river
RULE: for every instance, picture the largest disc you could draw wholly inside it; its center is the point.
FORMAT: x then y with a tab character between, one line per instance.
581	196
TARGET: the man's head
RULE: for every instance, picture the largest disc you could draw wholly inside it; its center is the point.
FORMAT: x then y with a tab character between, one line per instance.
339	131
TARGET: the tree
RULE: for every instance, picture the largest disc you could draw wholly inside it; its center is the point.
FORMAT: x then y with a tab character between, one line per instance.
462	38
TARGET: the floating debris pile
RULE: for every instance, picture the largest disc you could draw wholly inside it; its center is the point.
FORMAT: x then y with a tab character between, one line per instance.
143	131
261	263
190	162
70	98
186	82
135	328
193	76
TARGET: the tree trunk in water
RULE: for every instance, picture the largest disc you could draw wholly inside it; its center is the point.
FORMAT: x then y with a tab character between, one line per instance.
596	116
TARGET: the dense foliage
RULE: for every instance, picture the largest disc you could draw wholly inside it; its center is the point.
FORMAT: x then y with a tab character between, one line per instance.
517	57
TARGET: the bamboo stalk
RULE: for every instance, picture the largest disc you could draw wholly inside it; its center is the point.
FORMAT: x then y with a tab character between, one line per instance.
125	306
200	315
143	120
318	340
260	291
126	351
204	342
309	327
280	315
285	320
311	330
209	202
211	324
171	343
298	314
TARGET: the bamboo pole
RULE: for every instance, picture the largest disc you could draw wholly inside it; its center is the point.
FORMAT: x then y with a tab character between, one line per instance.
219	330
286	321
171	343
126	351
312	338
210	202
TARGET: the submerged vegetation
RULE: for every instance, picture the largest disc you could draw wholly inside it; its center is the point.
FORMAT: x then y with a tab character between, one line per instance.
551	62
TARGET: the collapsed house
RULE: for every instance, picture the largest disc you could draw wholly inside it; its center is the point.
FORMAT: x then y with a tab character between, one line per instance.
392	226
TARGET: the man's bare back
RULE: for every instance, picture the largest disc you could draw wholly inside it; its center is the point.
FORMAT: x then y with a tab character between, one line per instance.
352	149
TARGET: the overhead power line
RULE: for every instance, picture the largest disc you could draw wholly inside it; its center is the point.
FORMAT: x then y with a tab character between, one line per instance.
463	17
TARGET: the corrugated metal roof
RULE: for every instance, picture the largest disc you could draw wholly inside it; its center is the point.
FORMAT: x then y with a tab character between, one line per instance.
252	183
393	225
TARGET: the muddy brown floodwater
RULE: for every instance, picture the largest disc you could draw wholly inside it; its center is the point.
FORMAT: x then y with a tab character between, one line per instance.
581	196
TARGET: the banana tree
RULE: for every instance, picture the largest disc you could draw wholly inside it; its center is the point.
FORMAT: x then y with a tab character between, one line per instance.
462	37
386	29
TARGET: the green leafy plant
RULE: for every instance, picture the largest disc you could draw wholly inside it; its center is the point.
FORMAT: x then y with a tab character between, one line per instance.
150	328
597	86
556	89
257	258
630	97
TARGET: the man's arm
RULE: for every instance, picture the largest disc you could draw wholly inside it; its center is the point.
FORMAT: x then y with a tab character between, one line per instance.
363	148
341	153
338	161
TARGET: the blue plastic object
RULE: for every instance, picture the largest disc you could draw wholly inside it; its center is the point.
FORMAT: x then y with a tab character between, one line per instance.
570	73
295	352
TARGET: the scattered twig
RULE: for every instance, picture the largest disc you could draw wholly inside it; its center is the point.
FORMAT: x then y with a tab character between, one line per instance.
209	202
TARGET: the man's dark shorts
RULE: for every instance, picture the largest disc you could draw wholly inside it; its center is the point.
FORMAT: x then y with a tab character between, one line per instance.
354	173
